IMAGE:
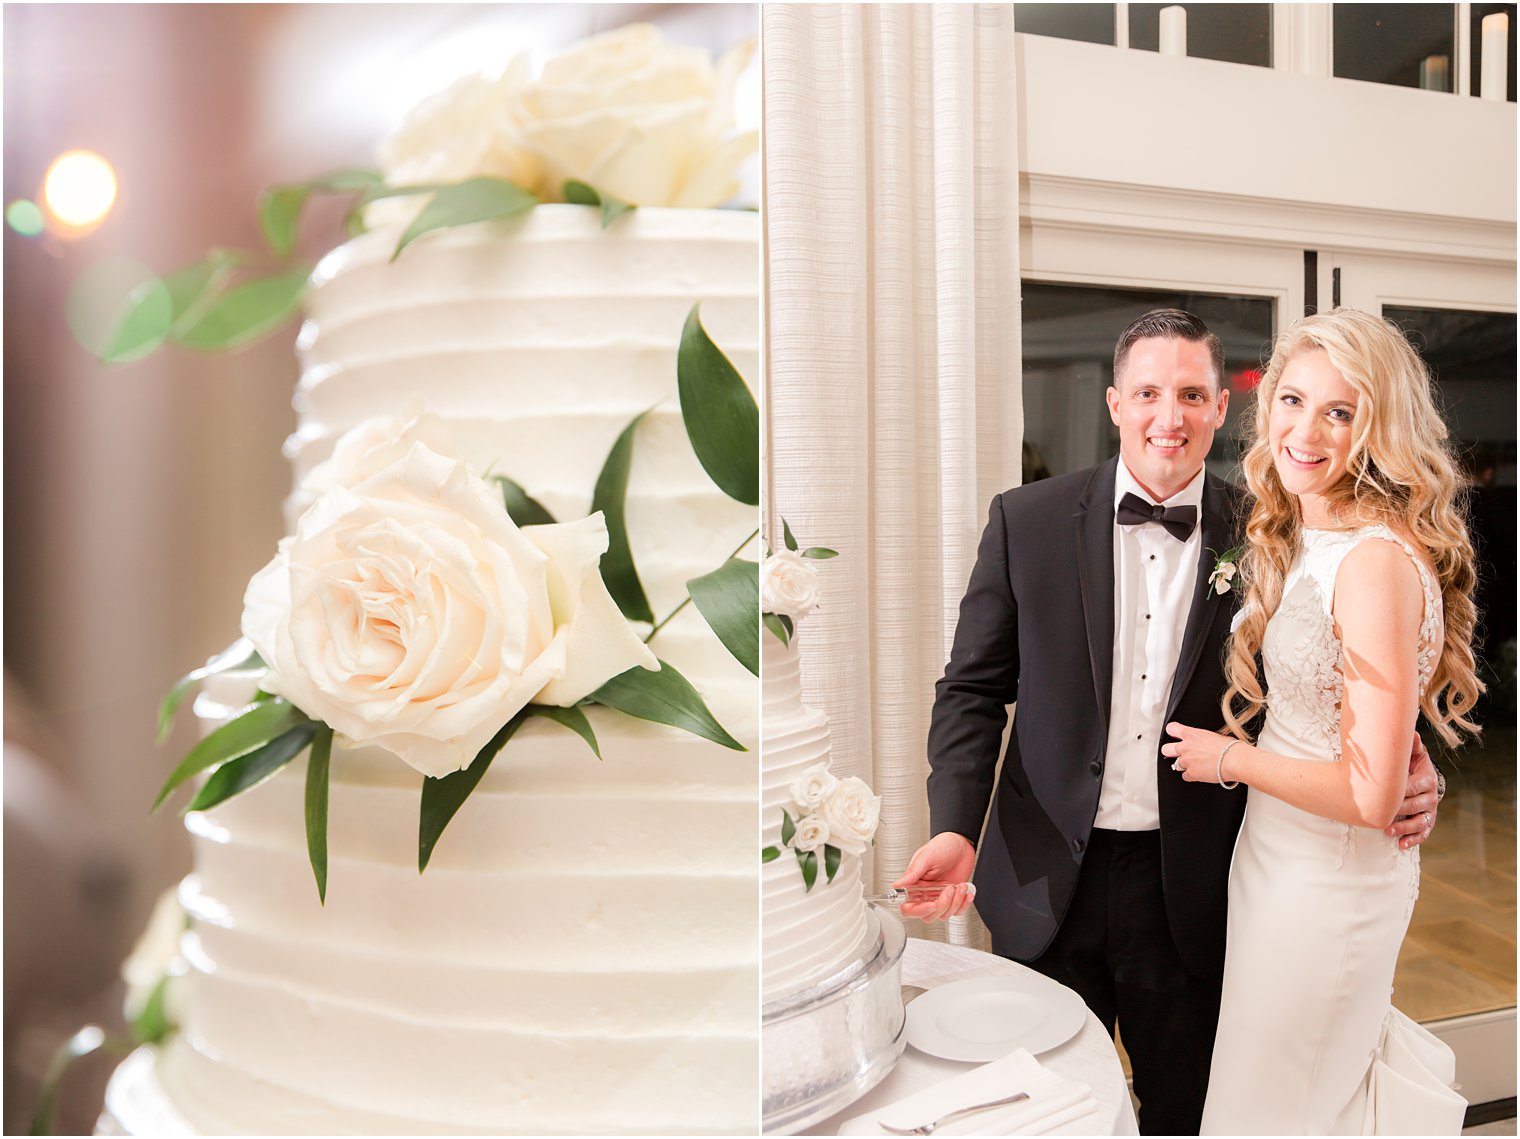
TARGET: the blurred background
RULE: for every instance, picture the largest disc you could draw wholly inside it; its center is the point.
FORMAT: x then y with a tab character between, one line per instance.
139	498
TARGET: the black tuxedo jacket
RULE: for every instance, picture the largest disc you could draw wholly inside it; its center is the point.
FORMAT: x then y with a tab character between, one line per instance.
1037	629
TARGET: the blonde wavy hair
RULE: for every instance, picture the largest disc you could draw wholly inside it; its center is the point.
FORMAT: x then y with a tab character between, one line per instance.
1400	472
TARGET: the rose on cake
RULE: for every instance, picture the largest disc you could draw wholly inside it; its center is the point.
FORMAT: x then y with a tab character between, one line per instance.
788	585
852	813
409	612
640	119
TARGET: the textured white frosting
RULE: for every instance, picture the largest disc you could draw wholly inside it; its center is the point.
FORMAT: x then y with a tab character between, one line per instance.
580	955
806	935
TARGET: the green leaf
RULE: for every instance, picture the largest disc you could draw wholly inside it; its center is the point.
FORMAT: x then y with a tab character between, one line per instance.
152	1024
442	798
475	199
779	625
242	315
318	767
572	718
769	854
728	599
664	697
193	289
88	1039
721	417
786	536
582	194
808	860
226	661
521	509
610	497
831	856
248	771
788	827
144	326
279	213
347	181
819	552
259	724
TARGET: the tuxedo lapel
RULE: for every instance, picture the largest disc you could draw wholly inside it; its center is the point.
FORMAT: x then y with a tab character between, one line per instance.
1215	523
1095	574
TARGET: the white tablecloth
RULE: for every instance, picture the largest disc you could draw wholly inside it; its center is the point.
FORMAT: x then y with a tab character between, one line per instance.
1089	1056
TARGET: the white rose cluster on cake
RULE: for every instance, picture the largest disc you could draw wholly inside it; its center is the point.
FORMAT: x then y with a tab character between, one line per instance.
493	471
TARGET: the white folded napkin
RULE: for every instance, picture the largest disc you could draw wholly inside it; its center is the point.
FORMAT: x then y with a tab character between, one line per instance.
1053	1101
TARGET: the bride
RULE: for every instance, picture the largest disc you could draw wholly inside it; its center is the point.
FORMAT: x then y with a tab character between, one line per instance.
1358	574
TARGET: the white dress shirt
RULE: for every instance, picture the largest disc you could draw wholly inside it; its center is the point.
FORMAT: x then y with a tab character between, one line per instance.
1154	576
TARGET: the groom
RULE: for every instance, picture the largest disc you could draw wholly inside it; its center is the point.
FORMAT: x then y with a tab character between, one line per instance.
1091	606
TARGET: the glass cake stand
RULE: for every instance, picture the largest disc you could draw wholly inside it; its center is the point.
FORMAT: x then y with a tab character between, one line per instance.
825	1047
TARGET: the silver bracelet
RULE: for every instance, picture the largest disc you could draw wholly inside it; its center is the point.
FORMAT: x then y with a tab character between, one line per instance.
1440	785
1219	768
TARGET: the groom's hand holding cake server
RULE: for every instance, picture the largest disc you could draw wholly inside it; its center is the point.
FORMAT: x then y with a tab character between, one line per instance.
1093	607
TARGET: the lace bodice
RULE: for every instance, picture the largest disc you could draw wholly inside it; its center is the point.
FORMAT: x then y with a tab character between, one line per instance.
1302	655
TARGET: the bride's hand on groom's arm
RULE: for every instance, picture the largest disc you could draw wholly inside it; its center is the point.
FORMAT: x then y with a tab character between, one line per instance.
1195	753
1417	814
949	858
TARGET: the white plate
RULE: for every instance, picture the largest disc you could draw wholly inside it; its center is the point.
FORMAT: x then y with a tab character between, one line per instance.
983	1018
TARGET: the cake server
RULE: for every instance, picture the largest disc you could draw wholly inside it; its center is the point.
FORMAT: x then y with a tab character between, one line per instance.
897	895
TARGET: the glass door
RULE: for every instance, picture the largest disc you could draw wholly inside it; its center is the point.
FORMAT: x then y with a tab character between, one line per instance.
1457	968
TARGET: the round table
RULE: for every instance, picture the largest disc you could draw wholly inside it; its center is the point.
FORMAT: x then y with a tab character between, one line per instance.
1089	1056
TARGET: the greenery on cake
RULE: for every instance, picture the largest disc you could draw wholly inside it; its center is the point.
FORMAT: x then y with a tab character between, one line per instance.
788	585
618	121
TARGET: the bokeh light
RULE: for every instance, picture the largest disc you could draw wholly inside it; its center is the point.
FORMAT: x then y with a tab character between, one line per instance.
79	188
119	310
24	217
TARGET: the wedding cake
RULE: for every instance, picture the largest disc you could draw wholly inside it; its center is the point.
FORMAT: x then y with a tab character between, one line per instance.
579	955
832	1010
809	931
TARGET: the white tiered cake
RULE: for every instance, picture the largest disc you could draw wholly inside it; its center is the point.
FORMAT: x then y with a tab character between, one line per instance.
580	955
831	1005
807	935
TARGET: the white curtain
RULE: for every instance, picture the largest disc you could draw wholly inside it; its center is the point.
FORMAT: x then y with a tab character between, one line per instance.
893	409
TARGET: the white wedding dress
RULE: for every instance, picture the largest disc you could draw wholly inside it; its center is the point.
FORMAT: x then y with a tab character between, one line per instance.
1308	1041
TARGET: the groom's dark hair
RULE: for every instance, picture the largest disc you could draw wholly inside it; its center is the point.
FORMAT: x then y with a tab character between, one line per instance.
1169	324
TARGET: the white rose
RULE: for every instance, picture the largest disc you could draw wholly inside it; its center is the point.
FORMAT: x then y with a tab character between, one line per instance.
467	130
643	120
410	613
638	118
812	832
788	584
813	786
852	813
156	955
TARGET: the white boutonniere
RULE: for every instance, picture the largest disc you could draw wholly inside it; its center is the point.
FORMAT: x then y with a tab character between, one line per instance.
1225	577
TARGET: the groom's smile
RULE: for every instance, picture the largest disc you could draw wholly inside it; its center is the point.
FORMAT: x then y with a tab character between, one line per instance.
1167	403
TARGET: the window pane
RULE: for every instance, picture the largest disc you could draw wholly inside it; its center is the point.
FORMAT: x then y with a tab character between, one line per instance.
1090	23
1476	40
1069	334
1459	956
1405	45
1235	33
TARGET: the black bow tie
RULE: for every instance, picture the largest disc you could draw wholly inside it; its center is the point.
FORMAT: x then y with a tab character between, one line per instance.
1177	520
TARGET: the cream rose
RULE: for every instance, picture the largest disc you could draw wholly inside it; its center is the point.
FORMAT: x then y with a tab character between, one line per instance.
643	120
812	832
410	613
788	584
852	813
812	787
